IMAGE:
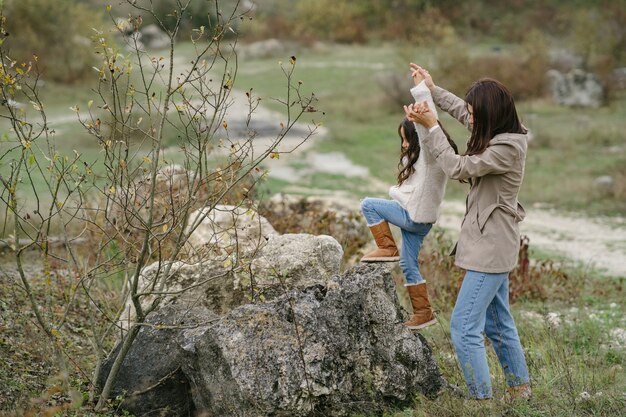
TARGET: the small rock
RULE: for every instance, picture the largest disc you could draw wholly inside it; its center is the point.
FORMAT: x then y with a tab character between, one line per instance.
153	37
228	228
577	88
604	183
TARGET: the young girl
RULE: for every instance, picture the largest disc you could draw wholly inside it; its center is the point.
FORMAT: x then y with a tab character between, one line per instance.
489	240
414	208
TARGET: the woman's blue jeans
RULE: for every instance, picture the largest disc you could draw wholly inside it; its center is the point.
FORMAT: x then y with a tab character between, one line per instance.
376	210
483	305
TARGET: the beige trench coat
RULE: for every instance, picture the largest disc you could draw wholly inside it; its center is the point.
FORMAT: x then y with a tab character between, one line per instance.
489	240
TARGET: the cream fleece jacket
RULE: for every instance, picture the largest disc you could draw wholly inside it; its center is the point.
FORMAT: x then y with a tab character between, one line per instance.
422	193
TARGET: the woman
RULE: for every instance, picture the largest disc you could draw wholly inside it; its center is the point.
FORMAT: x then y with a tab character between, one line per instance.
414	208
489	241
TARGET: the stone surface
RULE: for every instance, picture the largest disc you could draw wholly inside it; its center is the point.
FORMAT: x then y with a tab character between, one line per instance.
576	88
153	37
287	262
151	379
267	48
295	261
319	215
129	209
332	351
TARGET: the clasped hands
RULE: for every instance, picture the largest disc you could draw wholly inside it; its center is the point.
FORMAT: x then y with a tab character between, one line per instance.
420	113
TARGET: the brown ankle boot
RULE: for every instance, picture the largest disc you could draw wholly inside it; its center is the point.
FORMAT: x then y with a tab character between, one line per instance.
387	250
422	312
522	391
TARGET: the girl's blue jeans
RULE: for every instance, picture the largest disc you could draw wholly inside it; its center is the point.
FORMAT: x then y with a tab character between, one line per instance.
483	305
376	210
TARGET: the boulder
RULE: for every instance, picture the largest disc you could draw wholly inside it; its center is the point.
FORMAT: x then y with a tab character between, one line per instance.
604	184
128	210
332	350
576	88
287	262
153	37
294	261
267	48
151	379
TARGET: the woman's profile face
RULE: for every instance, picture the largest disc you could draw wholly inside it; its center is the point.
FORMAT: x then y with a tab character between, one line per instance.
470	110
405	143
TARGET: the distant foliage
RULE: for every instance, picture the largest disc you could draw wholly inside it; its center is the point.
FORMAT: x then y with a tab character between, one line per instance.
58	32
521	68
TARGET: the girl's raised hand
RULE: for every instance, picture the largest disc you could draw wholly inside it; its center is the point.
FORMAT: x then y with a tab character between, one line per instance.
423	74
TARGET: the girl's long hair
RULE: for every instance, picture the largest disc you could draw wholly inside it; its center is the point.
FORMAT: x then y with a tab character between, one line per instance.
412	153
494	112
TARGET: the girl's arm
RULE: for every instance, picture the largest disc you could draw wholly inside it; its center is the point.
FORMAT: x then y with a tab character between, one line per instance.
447	101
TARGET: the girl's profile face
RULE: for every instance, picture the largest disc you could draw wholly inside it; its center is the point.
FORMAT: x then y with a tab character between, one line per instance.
405	143
470	110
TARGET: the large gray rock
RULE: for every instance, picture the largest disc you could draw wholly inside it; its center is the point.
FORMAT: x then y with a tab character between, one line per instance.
577	88
153	37
286	262
341	219
332	351
151	380
296	261
264	49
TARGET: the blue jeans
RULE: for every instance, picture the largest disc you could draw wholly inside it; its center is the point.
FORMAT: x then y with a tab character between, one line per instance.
376	210
483	305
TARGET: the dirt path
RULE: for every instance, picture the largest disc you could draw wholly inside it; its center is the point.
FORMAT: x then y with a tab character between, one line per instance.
593	242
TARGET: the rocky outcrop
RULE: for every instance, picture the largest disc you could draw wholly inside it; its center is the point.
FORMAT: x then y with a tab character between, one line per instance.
151	379
284	263
576	88
332	350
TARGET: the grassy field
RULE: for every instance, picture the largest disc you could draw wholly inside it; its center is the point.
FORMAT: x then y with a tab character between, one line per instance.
570	147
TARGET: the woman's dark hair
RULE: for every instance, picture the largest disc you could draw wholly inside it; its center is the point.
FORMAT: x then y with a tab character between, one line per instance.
493	112
413	151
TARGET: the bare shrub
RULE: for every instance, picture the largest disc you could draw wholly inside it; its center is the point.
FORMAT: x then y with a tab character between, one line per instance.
133	205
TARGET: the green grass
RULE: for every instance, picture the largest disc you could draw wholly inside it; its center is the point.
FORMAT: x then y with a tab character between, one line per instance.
565	361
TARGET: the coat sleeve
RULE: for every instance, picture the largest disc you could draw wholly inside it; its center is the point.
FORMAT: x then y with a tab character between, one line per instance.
421	93
498	158
453	105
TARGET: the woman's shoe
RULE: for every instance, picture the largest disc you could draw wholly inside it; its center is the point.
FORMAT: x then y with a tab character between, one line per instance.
387	250
522	391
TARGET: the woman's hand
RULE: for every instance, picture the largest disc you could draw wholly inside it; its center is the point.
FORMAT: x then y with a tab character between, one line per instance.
417	71
417	77
420	113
